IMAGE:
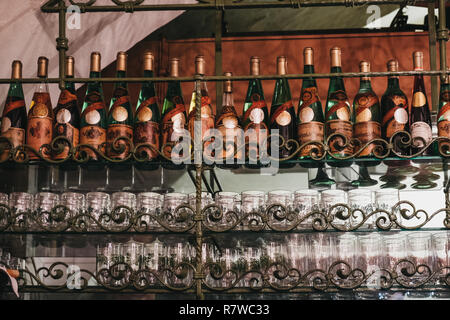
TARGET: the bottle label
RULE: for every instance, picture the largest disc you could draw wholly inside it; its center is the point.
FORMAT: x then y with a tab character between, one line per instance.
68	131
254	112
94	136
310	131
120	113
144	112
39	132
228	125
12	105
396	117
66	97
115	131
147	132
346	129
255	135
365	132
364	102
419	99
281	116
17	138
174	122
207	119
341	106
423	130
92	115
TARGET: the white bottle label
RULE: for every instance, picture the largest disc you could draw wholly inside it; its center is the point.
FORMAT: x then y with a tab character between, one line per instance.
423	130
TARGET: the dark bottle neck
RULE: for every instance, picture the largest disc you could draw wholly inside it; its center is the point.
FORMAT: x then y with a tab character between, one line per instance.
393	83
121	84
365	85
70	85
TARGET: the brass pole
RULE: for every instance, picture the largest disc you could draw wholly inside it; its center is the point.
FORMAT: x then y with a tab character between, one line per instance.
62	43
433	55
218	59
442	38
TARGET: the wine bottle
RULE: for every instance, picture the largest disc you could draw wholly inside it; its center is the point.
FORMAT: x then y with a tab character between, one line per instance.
67	114
40	116
148	117
93	114
173	113
420	119
443	119
14	119
120	115
366	117
338	112
255	119
282	113
207	116
228	125
310	113
394	108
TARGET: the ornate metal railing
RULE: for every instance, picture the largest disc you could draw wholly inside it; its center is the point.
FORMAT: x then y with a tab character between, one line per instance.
276	217
264	275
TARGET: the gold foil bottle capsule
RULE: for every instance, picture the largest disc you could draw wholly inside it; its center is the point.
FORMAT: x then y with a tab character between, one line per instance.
122	61
308	56
254	65
16	70
335	55
364	66
281	65
173	67
70	65
149	61
418	60
96	62
42	67
228	86
200	65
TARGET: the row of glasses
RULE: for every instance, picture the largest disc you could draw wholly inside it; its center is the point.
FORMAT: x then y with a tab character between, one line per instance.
116	211
116	262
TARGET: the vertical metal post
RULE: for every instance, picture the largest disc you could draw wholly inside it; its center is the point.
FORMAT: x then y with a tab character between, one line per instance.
433	55
442	38
62	43
218	59
198	150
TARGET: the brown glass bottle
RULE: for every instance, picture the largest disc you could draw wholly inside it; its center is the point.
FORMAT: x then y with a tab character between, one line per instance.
148	117
207	114
394	110
120	116
14	119
366	117
67	114
420	117
282	112
228	125
40	116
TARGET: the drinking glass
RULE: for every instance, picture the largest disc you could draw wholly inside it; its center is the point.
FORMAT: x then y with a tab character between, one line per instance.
122	217
369	261
21	205
331	198
117	266
278	216
385	199
149	205
206	199
306	201
4	199
394	250
181	218
44	202
227	202
73	201
420	252
441	254
104	260
252	201
346	252
361	199
298	251
98	204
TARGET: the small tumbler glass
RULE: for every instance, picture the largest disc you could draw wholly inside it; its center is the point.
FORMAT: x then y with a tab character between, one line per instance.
98	206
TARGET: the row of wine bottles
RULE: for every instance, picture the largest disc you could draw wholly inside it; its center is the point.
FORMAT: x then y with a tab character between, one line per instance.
99	126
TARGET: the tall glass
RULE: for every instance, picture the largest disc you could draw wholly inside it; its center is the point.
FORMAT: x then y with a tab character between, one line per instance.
441	254
98	206
369	261
149	205
361	199
420	253
346	252
394	250
306	201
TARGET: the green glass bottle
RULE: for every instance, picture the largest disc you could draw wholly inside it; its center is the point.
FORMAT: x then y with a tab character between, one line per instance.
14	119
366	117
282	112
173	116
338	113
443	118
67	114
255	118
148	117
310	113
93	113
120	116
